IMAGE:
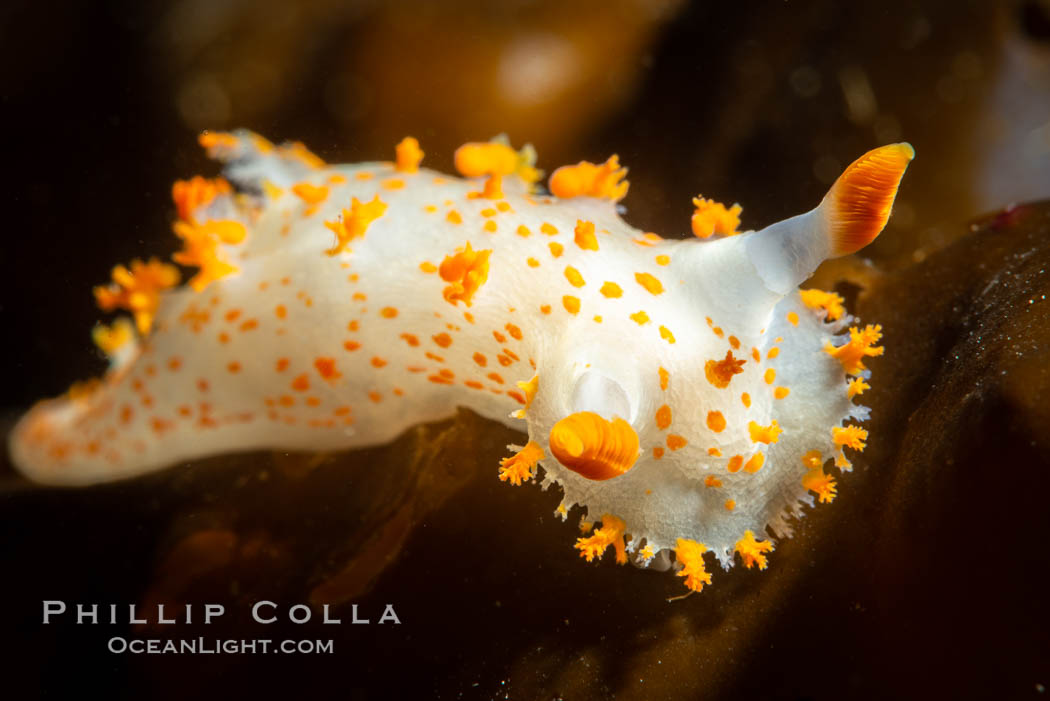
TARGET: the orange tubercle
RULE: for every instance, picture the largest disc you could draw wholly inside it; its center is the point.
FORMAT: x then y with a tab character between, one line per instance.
753	552
466	270
519	467
690	554
712	218
611	533
588	179
408	155
861	345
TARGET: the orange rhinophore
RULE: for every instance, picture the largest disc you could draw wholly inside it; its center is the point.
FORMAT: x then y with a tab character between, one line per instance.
862	197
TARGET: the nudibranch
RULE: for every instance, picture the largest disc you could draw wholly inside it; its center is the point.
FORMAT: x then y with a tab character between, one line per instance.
685	393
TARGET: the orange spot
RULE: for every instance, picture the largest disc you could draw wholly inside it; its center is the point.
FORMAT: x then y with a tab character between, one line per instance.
280	311
764	434
640	318
735	463
490	226
650	283
734	342
665	333
720	372
611	289
523	230
712	481
792	317
454	217
754	464
556	249
584	235
714	452
663	417
663	260
311	195
746	399
571	304
174	363
781	392
351	345
301	383
410	339
250	325
548	229
665	378
378	362
442	339
499	337
388	312
234	367
770	376
326	368
545	308
532	262
729	505
375	396
495	377
427	267
658	451
394	184
514	331
675	442
480	359
715	421
282	364
574	277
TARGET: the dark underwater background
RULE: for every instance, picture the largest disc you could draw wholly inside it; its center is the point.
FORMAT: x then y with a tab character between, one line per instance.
925	578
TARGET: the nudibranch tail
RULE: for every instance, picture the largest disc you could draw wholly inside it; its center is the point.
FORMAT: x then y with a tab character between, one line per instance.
685	392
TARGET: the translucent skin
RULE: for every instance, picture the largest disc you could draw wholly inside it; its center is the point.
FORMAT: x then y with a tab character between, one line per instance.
321	341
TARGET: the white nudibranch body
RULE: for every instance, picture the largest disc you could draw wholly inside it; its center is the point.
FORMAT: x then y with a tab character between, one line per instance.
684	393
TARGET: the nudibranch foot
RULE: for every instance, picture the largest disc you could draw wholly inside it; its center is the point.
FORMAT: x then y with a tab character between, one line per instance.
685	393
